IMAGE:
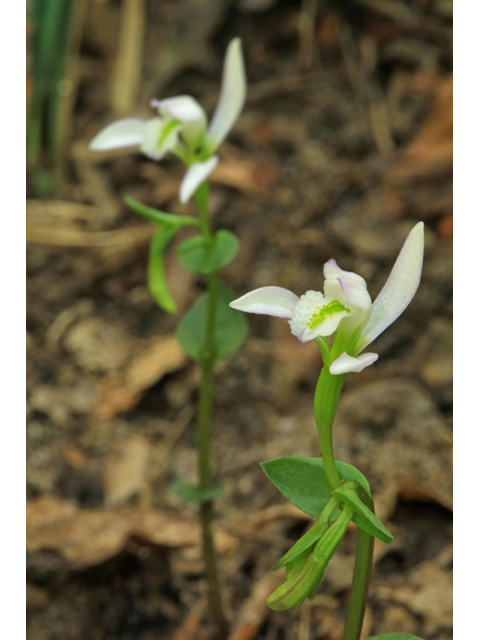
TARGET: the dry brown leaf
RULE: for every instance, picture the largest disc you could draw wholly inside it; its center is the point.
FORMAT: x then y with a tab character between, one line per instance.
75	458
89	536
190	627
423	173
255	609
155	359
161	356
289	362
429	594
114	398
247	174
125	470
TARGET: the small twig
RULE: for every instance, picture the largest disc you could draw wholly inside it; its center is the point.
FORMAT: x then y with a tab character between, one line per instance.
176	432
304	627
306	34
127	74
255	609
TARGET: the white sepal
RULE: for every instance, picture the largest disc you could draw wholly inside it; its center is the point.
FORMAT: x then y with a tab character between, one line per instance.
196	174
348	364
123	133
269	301
232	95
398	291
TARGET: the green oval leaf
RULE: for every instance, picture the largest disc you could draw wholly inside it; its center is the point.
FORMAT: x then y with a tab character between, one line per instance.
157	281
304	483
195	254
191	493
364	518
230	326
395	636
159	217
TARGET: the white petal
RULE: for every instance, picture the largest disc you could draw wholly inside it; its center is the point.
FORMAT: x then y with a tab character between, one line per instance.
268	301
155	145
232	94
183	108
196	174
123	133
347	364
308	321
398	291
352	286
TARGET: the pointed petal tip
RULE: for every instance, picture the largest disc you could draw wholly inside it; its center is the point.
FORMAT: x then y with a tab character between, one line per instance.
399	289
128	132
232	94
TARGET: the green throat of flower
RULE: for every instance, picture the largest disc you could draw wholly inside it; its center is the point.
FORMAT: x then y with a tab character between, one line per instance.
166	131
321	313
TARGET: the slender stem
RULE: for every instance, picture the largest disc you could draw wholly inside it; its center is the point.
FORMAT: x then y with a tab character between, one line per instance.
207	362
361	580
326	399
201	198
325	405
205	399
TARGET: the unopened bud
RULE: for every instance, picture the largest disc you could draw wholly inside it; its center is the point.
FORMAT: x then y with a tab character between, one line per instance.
305	575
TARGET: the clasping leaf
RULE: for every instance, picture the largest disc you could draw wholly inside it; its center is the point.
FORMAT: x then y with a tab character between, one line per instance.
364	518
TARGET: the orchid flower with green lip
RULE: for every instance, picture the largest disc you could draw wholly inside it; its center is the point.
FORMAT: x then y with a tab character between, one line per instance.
345	310
181	126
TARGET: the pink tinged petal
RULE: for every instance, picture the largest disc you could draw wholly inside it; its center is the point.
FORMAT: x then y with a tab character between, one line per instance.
347	364
268	301
123	133
183	108
398	291
154	145
352	286
232	94
196	174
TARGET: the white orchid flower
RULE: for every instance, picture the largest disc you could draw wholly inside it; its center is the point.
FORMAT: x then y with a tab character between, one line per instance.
181	126
345	309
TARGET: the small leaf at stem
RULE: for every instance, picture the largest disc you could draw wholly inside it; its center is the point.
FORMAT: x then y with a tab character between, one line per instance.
364	518
159	217
157	282
230	326
197	255
304	483
191	493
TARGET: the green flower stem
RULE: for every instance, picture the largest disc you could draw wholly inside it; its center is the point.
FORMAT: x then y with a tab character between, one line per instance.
207	362
361	579
326	399
201	198
325	405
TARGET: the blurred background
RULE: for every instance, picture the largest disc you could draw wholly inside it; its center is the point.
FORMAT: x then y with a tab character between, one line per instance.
345	142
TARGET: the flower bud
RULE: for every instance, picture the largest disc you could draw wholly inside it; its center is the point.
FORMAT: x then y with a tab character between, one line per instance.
304	574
